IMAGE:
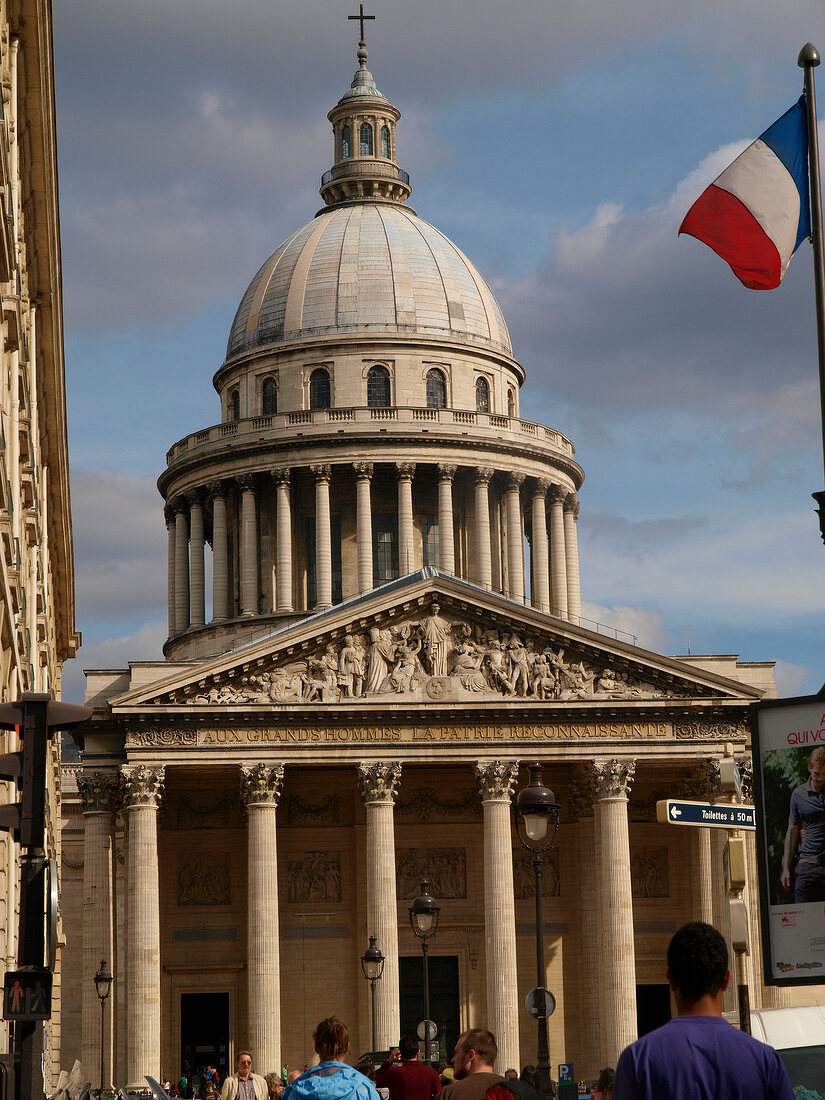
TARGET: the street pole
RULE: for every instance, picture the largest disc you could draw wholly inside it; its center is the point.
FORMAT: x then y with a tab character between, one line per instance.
372	1007
808	60
543	1047
425	952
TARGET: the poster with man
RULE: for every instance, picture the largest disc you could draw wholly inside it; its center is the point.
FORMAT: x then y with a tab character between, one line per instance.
789	774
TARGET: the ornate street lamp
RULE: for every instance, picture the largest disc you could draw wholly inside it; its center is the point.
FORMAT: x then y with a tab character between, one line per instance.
424	920
372	964
536	820
103	985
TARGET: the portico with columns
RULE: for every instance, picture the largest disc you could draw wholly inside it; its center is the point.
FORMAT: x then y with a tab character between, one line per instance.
263	843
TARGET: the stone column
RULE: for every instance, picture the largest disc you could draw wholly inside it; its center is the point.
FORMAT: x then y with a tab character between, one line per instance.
484	557
220	553
98	795
617	956
378	786
495	780
249	546
701	786
283	541
571	557
446	537
323	538
541	566
515	545
197	601
558	561
581	794
142	788
363	538
169	516
261	789
406	549
181	566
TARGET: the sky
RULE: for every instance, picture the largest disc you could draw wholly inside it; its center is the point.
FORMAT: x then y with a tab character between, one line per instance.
559	146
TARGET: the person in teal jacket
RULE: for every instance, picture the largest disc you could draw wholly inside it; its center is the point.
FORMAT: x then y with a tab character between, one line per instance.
332	1079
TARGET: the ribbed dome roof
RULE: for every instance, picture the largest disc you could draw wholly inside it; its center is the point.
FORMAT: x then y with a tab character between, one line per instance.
367	267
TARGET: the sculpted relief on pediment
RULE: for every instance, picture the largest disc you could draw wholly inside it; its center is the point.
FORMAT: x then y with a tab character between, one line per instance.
435	658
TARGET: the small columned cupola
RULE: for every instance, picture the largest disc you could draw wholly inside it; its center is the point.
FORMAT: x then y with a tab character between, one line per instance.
363	125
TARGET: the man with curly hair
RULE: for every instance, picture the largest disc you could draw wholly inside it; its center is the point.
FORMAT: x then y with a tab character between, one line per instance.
698	1055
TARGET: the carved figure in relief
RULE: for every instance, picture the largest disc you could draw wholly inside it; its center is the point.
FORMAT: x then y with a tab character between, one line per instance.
436	635
321	678
382	654
351	668
467	664
407	674
499	670
519	666
543	679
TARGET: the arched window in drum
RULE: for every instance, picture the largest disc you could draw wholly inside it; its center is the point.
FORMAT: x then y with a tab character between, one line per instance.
482	395
269	397
436	389
378	387
366	139
319	389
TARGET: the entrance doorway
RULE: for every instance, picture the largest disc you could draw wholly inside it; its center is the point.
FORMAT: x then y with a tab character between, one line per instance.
652	1007
204	1034
444	1006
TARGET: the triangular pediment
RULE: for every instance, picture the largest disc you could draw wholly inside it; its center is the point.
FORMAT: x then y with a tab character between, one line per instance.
431	639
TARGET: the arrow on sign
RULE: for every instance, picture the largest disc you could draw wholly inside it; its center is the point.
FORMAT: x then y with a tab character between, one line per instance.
675	811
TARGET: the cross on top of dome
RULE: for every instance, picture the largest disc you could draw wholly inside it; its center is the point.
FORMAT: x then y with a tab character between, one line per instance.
361	17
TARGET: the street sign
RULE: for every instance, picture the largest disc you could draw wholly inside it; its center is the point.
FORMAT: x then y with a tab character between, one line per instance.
712	815
425	1027
27	995
565	1072
540	1003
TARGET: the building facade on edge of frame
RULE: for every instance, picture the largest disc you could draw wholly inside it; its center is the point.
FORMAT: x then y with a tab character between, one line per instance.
347	709
37	612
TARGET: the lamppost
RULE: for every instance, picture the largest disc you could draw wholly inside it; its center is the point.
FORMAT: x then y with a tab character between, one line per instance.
424	920
103	984
536	820
372	964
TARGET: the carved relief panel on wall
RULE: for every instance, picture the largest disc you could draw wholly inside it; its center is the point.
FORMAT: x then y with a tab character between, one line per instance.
524	876
314	878
649	872
444	868
205	882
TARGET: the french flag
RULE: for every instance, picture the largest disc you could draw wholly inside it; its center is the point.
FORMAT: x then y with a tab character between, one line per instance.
757	213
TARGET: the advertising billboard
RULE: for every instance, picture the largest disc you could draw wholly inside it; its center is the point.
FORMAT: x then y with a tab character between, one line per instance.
789	784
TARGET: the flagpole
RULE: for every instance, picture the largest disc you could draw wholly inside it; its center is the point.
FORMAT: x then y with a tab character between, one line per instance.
808	60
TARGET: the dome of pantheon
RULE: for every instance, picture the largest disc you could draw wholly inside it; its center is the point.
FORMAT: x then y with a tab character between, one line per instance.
367	268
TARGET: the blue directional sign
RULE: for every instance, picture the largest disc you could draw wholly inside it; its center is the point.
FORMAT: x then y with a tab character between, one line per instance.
718	815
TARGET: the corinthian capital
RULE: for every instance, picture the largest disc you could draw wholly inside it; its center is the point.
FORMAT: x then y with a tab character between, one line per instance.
379	781
405	470
321	472
703	783
495	779
99	791
261	784
363	470
484	475
558	494
514	482
446	471
613	778
142	785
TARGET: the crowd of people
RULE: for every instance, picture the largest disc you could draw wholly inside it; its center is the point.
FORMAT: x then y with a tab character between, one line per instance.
697	1055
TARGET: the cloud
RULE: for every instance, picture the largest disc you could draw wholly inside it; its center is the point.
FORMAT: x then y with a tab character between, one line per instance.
120	546
144	644
790	679
643	624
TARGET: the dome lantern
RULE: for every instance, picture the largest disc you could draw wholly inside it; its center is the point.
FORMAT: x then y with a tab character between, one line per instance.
363	126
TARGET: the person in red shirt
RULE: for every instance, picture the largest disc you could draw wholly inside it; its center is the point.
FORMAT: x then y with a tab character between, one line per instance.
405	1075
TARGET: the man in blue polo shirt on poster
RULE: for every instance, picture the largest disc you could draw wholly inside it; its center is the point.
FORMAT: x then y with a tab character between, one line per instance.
698	1055
805	837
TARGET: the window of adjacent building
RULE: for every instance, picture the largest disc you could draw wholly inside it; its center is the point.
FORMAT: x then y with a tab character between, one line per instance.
482	395
511	402
366	139
269	397
319	389
385	142
337	571
429	540
378	387
384	548
436	389
235	405
346	143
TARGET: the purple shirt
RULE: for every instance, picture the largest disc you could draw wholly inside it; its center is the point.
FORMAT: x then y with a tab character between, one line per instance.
700	1058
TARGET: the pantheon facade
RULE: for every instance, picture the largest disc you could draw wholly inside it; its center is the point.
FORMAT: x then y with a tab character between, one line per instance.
374	625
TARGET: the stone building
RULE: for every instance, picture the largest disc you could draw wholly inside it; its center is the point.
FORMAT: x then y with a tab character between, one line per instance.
37	614
393	627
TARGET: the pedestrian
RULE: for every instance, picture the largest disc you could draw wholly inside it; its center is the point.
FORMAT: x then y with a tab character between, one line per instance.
473	1060
405	1075
606	1078
332	1079
698	1053
275	1085
526	1087
244	1084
